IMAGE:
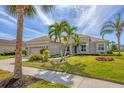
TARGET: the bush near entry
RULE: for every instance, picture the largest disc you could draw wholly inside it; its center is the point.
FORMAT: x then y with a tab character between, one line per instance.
35	57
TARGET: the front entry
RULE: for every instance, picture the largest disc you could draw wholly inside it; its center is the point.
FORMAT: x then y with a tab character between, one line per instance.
75	49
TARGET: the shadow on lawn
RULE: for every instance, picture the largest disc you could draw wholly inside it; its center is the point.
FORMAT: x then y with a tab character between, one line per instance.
62	77
17	83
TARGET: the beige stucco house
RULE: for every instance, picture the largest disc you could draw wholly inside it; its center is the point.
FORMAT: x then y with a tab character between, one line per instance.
88	45
8	46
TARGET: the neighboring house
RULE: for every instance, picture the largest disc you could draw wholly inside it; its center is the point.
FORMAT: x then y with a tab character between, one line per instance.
88	45
7	45
122	48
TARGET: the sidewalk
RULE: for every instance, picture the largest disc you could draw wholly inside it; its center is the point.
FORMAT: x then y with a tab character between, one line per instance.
68	80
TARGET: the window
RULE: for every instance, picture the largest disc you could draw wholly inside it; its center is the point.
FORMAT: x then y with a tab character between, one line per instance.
83	47
68	48
46	47
101	47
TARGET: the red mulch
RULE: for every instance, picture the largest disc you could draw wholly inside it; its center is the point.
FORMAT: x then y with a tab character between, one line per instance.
104	59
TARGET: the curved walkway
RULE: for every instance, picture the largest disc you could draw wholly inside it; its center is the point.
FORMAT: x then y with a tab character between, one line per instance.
73	81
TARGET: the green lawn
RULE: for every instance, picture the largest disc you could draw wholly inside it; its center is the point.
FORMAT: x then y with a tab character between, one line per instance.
36	82
88	66
5	57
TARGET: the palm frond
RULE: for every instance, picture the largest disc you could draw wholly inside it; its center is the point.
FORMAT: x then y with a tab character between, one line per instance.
47	8
30	11
122	24
11	9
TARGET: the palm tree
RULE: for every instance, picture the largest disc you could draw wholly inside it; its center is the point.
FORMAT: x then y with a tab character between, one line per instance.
114	26
55	31
21	11
70	33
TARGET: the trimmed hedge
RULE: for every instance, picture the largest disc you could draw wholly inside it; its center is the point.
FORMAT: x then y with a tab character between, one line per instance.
35	57
7	53
109	52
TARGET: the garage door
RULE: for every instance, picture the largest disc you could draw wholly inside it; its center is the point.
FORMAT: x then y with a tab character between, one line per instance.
35	50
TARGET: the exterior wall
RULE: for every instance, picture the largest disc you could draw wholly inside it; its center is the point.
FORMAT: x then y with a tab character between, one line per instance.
122	48
8	47
101	51
54	48
34	47
84	41
92	48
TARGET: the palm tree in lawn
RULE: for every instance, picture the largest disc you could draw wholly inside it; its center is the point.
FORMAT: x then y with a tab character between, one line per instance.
21	11
70	33
76	39
55	31
114	26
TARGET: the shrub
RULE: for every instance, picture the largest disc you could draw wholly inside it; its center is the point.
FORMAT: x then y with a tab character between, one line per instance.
46	55
7	53
35	57
24	52
109	52
42	50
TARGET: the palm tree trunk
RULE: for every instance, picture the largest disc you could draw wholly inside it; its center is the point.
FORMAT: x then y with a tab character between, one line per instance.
66	47
118	37
61	52
18	58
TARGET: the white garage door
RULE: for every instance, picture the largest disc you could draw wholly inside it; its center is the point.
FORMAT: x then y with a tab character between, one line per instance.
35	50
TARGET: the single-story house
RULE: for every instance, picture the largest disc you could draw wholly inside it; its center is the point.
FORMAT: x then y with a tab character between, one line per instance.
8	46
122	48
88	45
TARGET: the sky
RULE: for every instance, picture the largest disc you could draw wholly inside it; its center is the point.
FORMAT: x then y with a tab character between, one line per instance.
88	20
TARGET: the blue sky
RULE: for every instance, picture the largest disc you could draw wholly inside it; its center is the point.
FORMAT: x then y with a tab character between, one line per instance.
88	19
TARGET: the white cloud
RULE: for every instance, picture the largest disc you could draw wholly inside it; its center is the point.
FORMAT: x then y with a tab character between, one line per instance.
7	22
5	35
91	21
43	17
86	16
8	16
32	30
12	22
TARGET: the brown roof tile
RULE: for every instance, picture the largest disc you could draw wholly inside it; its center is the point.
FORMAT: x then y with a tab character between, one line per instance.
7	41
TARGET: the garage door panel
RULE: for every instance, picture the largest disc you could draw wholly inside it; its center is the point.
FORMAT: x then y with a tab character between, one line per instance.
35	50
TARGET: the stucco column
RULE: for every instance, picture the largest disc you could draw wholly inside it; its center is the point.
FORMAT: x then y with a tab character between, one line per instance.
28	50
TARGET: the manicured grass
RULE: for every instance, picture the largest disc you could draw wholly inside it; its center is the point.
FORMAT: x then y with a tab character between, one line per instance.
6	57
45	84
31	81
88	66
4	75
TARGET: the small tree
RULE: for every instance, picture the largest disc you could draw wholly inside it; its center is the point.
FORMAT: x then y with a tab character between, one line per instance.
114	47
24	52
41	51
46	55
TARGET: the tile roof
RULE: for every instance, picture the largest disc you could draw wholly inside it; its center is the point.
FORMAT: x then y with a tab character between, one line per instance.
43	38
46	38
2	41
93	39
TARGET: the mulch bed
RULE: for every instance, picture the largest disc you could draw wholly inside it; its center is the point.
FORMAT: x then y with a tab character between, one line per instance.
17	83
104	59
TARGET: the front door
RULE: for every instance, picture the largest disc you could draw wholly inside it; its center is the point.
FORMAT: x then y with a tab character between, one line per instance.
75	49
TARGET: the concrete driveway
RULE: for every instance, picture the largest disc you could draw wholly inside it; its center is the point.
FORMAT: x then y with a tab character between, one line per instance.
73	81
